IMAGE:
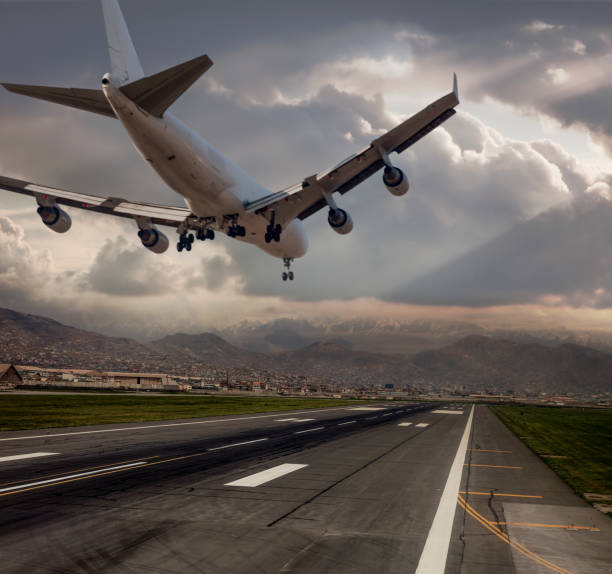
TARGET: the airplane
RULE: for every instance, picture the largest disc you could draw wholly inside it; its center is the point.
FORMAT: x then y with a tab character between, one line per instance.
219	195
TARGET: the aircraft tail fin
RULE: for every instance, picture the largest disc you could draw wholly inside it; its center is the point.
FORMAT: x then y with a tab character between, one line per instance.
125	65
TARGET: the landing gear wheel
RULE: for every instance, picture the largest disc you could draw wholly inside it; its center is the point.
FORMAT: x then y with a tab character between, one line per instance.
188	245
179	246
290	275
200	235
190	238
268	237
285	276
210	234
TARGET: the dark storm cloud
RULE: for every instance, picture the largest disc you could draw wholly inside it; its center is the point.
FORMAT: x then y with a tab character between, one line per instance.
294	89
128	271
563	253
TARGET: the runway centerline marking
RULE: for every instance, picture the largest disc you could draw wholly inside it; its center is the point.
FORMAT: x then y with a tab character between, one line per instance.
266	475
309	430
24	456
166	425
346	423
435	551
69	477
422	425
404	424
236	444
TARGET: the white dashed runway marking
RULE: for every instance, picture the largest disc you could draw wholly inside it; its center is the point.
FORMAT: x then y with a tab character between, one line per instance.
266	475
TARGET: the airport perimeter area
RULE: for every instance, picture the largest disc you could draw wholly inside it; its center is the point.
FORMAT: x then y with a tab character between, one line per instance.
350	488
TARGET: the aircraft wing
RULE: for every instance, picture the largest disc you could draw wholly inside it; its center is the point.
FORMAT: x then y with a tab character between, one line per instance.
306	198
158	214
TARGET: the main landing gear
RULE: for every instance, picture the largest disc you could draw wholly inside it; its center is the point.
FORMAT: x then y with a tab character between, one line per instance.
185	242
287	274
202	234
236	231
273	231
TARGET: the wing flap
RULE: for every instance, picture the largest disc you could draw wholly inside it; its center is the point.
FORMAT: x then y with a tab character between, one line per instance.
304	199
159	214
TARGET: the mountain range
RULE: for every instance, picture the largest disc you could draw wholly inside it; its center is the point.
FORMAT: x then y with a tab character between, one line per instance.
474	362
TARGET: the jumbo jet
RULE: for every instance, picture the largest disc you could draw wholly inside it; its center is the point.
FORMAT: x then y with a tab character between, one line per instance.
219	196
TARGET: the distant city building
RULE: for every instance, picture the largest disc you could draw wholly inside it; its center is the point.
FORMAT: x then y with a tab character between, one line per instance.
9	376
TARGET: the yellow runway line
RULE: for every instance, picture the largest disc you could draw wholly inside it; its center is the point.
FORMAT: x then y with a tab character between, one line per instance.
538	525
67	472
493	466
475	493
505	538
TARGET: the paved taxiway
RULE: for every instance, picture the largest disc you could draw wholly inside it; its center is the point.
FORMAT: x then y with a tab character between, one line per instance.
331	490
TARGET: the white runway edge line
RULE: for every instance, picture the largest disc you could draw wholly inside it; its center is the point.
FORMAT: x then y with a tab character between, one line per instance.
70	476
24	456
266	475
236	444
166	425
435	551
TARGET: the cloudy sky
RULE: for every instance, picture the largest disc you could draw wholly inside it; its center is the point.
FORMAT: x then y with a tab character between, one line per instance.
509	217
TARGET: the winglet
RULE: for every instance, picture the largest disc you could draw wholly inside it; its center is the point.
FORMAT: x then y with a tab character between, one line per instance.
455	86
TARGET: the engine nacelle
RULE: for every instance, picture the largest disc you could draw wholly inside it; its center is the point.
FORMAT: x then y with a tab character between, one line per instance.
395	180
153	239
55	218
340	221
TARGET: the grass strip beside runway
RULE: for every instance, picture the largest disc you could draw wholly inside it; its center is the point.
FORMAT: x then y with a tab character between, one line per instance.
576	443
23	412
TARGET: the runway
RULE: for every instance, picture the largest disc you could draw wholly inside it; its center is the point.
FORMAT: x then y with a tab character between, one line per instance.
385	489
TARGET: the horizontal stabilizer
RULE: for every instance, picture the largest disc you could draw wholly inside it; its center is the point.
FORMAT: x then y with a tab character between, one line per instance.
88	100
157	93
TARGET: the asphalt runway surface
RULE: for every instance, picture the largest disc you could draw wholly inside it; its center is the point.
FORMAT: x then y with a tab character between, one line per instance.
394	488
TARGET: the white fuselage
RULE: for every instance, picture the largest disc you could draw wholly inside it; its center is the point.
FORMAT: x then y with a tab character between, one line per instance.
211	184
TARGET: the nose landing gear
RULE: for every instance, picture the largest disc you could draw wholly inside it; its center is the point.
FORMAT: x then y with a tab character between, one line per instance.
287	274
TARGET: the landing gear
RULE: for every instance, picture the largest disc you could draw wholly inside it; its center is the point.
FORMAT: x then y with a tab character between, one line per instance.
273	230
236	231
185	242
273	233
287	274
203	234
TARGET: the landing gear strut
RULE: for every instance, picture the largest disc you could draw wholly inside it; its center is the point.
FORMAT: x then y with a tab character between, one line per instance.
273	231
185	241
202	234
287	274
234	229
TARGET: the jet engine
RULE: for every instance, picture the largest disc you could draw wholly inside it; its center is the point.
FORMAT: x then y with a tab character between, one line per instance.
340	221
395	180
55	218
153	239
